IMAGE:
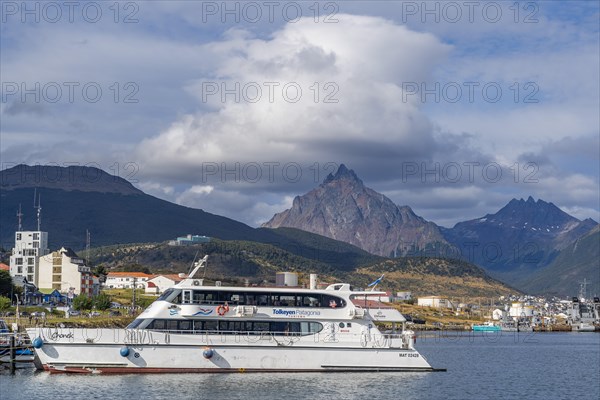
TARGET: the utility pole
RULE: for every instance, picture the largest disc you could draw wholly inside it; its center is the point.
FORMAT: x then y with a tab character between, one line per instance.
87	247
133	300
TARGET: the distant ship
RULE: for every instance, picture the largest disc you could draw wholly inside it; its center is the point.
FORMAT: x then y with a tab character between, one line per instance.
584	315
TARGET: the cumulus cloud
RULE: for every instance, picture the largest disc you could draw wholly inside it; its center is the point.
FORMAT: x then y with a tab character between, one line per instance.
356	106
246	159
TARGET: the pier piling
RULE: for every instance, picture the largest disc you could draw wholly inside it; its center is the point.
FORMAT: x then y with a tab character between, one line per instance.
12	355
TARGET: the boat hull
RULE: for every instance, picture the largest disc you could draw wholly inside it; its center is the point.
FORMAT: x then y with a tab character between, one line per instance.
583	327
486	328
130	351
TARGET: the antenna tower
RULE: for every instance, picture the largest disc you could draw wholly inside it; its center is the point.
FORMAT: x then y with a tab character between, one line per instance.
20	218
38	207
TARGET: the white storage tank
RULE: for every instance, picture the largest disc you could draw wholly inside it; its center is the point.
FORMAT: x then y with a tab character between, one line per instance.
518	310
286	279
313	281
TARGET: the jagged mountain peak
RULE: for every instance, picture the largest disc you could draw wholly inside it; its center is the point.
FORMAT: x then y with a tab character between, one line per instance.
531	210
343	173
526	234
529	202
342	208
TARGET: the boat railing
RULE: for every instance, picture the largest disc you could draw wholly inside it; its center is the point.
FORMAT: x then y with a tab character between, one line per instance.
366	339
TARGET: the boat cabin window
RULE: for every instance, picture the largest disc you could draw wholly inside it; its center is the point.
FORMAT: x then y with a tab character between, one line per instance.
310	301
223	327
135	323
265	299
211	325
185	325
165	295
172	325
158	324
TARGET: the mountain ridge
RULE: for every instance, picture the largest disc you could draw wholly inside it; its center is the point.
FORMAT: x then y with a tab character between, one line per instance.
512	244
114	215
343	208
116	212
81	178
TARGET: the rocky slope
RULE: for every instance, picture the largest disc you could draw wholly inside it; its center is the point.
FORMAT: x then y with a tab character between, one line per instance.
518	240
578	261
343	208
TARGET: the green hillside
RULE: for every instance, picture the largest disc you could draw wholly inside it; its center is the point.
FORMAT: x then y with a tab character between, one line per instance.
229	260
340	255
238	261
434	276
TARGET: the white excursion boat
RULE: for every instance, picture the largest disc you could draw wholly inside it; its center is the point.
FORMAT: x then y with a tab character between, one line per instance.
197	328
582	326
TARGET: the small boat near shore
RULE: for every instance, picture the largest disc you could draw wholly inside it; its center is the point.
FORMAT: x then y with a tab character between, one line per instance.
22	355
23	352
486	327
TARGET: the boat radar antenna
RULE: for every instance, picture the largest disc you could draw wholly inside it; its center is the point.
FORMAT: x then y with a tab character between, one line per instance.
20	218
197	265
38	207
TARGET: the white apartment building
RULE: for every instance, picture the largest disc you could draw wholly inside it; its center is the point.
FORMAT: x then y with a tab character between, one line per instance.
65	271
126	280
159	283
24	261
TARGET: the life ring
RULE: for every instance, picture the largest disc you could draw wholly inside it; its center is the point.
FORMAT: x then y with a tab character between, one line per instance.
223	309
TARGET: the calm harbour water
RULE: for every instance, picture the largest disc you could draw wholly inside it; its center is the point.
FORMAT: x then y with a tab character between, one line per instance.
481	366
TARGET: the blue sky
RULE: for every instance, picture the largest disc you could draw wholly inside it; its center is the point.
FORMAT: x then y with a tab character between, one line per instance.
452	108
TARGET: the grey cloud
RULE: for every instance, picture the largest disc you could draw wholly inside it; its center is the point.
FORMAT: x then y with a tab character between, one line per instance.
18	107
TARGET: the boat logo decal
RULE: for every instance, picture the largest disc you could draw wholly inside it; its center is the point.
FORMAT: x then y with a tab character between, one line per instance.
295	313
173	311
205	311
56	335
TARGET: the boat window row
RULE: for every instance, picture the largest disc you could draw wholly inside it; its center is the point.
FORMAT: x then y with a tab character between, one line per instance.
267	299
212	326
